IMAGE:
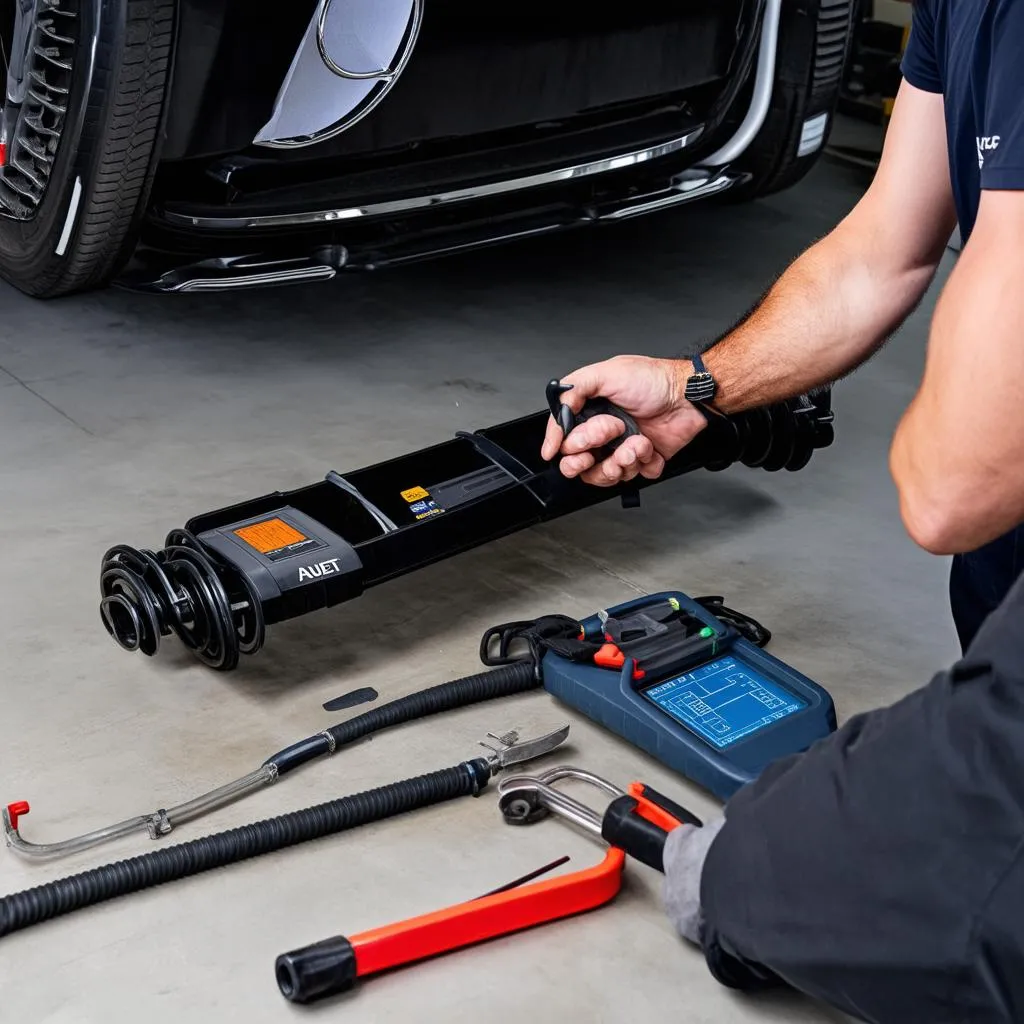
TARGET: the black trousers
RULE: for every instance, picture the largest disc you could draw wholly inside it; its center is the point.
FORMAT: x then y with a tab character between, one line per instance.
979	581
883	870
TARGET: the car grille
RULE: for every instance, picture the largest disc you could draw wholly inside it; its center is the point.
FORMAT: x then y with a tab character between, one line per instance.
830	52
474	73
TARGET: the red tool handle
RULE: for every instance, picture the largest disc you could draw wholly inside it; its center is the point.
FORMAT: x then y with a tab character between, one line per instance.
480	920
333	966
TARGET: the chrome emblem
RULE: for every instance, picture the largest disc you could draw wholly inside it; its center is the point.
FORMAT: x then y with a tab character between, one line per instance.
351	56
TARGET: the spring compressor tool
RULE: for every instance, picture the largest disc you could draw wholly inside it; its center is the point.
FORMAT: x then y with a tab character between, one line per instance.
218	583
469	778
636	823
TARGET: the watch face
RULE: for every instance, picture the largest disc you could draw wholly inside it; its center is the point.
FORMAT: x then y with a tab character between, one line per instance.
700	387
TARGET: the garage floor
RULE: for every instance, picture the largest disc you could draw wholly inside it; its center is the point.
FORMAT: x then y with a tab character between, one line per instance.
121	415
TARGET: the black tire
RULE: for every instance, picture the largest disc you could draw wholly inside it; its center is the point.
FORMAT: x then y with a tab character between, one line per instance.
812	63
108	144
772	160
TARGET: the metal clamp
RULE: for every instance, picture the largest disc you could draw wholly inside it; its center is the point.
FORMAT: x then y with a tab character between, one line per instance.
512	750
525	799
637	821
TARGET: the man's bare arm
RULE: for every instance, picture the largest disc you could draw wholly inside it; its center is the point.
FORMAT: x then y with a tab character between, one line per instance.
958	454
828	313
840	301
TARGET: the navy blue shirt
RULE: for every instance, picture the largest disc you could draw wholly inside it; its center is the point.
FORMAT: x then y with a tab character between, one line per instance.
972	52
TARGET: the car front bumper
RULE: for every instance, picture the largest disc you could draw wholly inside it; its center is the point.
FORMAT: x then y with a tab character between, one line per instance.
314	234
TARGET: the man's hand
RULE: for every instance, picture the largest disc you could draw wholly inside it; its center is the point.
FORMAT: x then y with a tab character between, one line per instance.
650	390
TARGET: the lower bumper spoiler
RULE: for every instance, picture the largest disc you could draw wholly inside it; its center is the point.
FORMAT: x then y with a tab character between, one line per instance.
425	237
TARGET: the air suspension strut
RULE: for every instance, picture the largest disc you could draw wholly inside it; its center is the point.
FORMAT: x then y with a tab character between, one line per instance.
219	582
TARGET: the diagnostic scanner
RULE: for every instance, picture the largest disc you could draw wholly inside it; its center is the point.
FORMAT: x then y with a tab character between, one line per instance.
715	707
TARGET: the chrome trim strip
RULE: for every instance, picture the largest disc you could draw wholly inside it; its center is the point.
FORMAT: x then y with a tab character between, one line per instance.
316	217
681	192
760	101
262	280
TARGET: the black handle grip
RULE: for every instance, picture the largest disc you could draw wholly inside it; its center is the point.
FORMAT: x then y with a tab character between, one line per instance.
567	420
316	972
636	836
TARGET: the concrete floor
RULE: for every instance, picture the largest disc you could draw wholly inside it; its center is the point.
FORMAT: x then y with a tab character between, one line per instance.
120	416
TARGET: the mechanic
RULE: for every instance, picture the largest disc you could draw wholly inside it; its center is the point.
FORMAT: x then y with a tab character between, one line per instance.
883	871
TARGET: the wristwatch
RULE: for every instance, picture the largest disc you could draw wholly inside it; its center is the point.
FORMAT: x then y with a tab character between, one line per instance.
700	385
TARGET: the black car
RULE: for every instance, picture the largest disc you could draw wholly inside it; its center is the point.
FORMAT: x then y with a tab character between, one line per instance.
185	145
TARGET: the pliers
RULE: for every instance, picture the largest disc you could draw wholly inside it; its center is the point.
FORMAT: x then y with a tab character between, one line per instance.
636	822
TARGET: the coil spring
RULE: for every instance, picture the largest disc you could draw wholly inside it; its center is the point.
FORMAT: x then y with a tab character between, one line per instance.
772	438
148	595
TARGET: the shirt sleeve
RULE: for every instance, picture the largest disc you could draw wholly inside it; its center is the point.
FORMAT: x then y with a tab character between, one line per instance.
920	65
1003	130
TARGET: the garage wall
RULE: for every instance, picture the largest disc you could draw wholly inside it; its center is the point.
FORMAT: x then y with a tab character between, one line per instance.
895	12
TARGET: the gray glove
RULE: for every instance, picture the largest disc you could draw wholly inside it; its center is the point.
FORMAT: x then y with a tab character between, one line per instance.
685	850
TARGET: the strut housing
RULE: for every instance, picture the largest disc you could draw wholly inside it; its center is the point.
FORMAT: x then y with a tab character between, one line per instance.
218	583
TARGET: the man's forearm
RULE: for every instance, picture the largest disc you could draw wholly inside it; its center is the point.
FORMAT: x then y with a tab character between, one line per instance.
831	310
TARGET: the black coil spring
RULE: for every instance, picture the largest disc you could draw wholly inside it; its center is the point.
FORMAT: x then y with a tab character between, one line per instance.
772	438
147	595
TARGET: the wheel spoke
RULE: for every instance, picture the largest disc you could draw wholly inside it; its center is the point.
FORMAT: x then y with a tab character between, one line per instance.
37	50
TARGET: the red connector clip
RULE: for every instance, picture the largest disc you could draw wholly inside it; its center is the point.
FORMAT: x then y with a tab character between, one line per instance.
17	810
611	656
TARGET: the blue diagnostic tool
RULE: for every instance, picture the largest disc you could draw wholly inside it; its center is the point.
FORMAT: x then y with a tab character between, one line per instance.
715	707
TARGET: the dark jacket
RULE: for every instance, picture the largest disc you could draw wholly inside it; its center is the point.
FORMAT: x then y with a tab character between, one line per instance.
883	871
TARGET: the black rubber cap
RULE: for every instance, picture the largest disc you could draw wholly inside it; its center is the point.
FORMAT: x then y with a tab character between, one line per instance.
316	972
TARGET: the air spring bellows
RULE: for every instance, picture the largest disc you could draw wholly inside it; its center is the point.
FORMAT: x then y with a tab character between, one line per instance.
147	595
218	583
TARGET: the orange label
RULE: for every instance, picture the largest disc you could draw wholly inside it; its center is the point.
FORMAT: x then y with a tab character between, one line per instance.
270	535
415	494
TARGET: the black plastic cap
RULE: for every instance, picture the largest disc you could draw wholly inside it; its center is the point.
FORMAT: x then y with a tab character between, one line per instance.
316	972
636	836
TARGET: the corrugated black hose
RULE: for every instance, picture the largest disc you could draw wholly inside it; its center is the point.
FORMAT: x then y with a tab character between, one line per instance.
24	909
499	682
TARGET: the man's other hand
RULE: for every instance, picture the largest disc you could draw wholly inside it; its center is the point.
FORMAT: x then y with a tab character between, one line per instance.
650	390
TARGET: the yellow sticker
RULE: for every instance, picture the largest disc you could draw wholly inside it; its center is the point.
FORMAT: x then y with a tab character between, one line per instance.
415	494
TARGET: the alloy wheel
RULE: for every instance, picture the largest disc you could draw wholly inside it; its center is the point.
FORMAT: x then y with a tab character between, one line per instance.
37	53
